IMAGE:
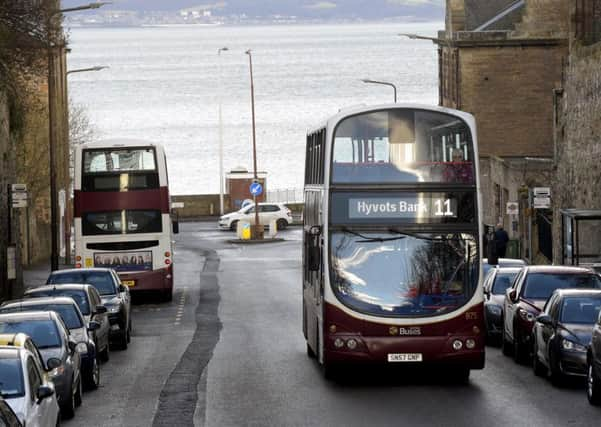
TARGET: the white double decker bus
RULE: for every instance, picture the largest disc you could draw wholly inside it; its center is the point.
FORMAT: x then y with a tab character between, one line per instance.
122	213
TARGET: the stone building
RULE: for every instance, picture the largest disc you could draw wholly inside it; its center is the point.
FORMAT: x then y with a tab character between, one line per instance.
502	60
578	128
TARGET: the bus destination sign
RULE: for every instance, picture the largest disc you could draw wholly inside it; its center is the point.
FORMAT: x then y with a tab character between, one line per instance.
409	207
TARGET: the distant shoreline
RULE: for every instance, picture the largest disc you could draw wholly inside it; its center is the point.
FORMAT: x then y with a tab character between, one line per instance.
77	25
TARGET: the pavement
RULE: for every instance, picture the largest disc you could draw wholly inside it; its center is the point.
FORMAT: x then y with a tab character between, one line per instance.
36	275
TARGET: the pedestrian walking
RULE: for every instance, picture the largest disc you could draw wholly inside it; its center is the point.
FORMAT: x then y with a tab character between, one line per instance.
501	239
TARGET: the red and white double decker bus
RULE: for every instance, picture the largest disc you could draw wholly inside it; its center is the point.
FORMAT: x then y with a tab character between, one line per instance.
122	213
392	239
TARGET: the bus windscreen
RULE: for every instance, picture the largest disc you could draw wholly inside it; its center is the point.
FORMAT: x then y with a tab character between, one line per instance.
402	146
122	169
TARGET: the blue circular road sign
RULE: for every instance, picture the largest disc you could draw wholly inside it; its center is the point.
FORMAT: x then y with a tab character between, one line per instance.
256	189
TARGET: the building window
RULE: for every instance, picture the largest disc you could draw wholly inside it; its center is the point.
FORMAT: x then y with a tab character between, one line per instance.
587	21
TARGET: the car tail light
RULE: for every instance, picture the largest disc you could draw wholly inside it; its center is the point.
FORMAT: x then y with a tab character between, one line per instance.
78	265
167	261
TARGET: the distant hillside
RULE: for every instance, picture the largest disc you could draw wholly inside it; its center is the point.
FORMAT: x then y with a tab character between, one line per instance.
368	9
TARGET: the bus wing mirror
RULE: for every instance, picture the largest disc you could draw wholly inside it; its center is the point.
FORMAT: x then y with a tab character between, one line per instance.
175	227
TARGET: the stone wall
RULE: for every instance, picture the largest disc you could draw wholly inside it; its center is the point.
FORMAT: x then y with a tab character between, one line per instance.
505	89
545	18
5	178
578	140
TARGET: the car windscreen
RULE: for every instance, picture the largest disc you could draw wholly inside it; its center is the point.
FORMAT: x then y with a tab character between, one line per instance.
68	312
11	378
542	285
79	296
101	280
401	275
584	310
502	282
43	332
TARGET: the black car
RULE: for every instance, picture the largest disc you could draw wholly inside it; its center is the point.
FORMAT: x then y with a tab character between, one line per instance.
79	329
115	296
562	333
495	285
87	299
51	336
593	365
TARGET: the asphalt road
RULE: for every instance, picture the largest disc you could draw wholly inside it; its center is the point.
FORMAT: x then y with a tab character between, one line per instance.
229	351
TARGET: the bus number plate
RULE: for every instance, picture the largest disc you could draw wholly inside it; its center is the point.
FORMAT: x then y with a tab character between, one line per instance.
404	357
130	283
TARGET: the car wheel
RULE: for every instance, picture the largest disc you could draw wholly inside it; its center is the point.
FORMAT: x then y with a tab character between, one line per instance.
519	352
123	341
129	332
168	295
282	224
593	386
104	354
459	375
78	393
557	378
505	344
93	377
234	225
537	367
68	406
310	352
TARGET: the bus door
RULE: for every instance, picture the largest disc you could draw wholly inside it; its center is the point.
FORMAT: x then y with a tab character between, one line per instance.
312	271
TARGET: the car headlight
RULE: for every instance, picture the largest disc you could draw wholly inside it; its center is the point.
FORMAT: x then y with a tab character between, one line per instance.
57	372
112	308
572	346
526	315
82	348
494	309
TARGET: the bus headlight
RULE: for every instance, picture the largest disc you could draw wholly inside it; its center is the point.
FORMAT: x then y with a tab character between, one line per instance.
338	343
470	343
457	345
351	344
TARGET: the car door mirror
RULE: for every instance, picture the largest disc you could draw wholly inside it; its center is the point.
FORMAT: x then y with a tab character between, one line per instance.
43	392
511	295
53	363
72	346
93	326
545	319
100	309
122	288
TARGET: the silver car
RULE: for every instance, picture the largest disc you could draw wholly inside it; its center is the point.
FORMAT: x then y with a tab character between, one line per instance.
51	336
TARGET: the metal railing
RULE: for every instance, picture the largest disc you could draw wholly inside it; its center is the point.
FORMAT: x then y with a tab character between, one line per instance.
286	195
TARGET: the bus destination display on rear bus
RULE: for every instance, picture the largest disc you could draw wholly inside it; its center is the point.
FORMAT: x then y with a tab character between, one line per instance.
408	207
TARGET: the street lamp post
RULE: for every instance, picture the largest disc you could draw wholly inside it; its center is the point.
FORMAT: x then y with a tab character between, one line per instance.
258	230
221	183
52	137
377	82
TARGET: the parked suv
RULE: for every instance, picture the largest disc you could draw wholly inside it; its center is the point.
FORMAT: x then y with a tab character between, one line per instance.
525	300
268	212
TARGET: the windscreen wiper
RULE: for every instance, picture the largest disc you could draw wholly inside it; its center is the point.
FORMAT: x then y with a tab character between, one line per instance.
366	239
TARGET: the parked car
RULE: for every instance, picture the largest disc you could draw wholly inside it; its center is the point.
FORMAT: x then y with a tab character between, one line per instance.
23	387
114	295
593	365
88	300
8	417
268	212
495	284
51	337
525	300
79	329
22	340
503	262
563	331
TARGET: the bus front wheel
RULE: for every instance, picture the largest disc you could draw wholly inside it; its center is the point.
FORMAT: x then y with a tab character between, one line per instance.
168	295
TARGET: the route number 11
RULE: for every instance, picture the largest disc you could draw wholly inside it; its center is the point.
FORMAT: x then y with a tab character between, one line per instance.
443	208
